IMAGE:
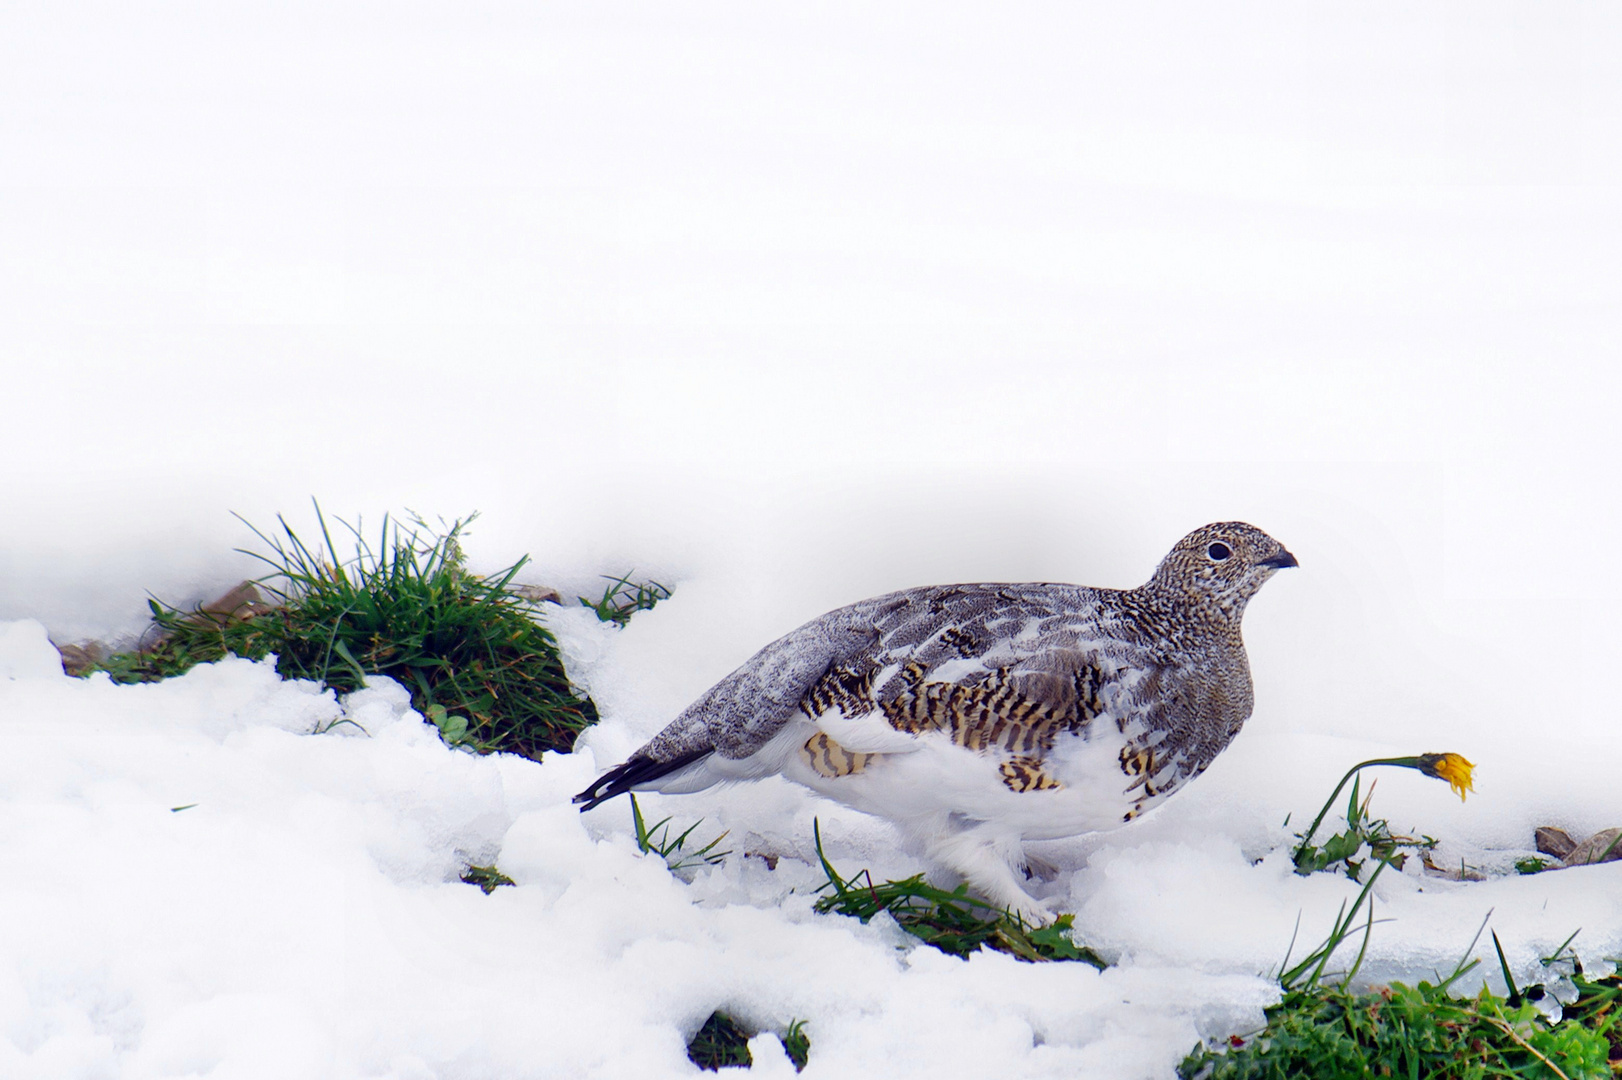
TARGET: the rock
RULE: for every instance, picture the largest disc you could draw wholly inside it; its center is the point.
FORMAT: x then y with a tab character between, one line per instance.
1553	841
242	602
538	594
1603	846
78	659
1452	873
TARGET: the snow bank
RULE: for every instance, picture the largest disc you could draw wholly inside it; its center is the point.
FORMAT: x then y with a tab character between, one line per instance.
212	876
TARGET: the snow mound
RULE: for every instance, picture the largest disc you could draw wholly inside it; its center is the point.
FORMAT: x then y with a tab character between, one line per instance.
232	875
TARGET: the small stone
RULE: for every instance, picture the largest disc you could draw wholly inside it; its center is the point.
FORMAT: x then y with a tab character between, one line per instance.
79	659
1451	873
242	602
1604	846
1553	841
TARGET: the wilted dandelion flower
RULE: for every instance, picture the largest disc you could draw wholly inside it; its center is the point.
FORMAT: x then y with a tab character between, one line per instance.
1450	767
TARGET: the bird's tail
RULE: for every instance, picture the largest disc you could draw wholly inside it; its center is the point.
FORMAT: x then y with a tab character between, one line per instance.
639	770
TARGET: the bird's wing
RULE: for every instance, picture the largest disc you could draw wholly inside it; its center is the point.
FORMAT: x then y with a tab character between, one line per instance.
998	668
741	713
1045	646
995	666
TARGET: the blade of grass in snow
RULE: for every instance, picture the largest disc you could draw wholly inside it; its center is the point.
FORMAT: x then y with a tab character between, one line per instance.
671	850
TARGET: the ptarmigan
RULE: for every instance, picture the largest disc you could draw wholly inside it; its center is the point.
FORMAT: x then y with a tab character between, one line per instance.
978	716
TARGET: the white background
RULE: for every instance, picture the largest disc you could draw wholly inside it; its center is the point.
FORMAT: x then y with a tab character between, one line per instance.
821	301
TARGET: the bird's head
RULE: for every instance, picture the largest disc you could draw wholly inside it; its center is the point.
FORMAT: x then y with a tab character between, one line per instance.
1220	566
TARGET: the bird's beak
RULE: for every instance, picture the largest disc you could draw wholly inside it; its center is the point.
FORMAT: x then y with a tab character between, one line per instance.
1280	561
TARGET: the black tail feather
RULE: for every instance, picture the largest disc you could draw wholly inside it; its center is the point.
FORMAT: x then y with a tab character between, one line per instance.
638	770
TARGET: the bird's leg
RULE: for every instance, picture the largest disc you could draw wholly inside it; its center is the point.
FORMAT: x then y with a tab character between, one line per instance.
986	860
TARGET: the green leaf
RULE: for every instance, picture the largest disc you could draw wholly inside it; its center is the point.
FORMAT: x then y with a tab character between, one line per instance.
452	728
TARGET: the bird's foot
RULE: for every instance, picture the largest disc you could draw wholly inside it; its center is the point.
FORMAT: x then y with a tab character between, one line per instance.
1032	912
987	864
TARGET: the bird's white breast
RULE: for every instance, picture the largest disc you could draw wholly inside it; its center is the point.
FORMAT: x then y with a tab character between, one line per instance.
914	779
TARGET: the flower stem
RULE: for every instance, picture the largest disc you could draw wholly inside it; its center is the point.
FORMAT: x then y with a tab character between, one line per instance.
1405	762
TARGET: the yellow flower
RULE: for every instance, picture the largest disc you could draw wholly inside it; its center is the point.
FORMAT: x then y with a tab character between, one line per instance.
1450	767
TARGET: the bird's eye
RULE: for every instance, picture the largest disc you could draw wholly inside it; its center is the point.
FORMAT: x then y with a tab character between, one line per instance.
1218	551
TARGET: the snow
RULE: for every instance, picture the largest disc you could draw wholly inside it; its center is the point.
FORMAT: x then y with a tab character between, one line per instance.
301	914
218	880
784	307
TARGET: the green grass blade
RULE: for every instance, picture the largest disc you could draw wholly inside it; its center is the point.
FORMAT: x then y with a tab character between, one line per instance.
827	867
1503	965
1284	964
348	657
640	826
1564	945
1462	967
1363	950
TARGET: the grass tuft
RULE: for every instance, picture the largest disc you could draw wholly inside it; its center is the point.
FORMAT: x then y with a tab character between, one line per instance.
1422	1031
623	598
952	921
723	1043
477	664
1323	1028
797	1044
487	878
720	1043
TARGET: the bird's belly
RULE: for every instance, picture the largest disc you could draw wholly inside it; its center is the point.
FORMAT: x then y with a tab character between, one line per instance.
934	778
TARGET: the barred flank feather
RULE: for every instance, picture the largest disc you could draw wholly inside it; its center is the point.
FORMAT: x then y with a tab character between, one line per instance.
827	758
